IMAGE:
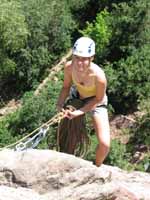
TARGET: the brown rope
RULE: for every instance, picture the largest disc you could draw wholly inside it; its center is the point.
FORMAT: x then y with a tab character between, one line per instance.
72	134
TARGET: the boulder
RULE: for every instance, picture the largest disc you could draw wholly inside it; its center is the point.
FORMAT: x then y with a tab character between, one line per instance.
50	175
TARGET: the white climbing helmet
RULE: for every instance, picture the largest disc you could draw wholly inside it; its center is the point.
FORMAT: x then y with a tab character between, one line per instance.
84	47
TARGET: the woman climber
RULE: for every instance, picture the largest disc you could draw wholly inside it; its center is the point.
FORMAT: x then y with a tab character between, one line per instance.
89	85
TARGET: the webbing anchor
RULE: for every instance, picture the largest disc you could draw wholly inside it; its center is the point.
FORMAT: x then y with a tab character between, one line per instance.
32	142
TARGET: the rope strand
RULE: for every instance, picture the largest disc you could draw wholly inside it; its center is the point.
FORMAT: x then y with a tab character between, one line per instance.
56	119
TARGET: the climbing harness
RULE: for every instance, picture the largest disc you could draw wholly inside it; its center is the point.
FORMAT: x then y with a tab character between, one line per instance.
31	142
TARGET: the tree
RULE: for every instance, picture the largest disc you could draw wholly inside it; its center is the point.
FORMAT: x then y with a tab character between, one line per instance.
13	36
100	31
129	55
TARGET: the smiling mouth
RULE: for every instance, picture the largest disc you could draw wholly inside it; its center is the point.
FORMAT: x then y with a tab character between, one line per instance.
81	68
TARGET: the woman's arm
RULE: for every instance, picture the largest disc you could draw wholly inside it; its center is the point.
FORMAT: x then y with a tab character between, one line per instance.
66	86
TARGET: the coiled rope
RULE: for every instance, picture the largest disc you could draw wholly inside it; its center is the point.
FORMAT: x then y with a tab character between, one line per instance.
72	134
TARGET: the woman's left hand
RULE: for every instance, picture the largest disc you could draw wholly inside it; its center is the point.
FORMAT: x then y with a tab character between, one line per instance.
72	114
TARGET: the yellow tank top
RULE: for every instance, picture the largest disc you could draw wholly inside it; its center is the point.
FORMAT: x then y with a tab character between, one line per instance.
84	91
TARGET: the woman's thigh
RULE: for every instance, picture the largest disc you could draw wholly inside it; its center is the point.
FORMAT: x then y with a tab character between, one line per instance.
101	125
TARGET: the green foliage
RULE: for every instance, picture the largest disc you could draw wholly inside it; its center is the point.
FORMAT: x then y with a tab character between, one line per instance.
50	25
144	164
75	5
13	35
7	66
92	148
118	155
140	132
5	135
80	12
129	80
35	111
130	28
99	31
33	35
13	31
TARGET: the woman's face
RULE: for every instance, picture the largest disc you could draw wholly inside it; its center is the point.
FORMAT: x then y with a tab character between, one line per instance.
81	63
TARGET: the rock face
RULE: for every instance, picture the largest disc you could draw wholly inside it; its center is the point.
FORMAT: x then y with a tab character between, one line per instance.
50	175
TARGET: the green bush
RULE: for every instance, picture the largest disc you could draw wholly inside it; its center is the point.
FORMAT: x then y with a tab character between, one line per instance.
130	28
91	153
118	155
144	164
13	36
35	111
50	25
129	80
100	32
13	30
6	137
140	132
33	35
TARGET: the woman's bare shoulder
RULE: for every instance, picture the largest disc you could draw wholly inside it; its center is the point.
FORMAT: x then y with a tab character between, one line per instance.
98	71
68	64
68	67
